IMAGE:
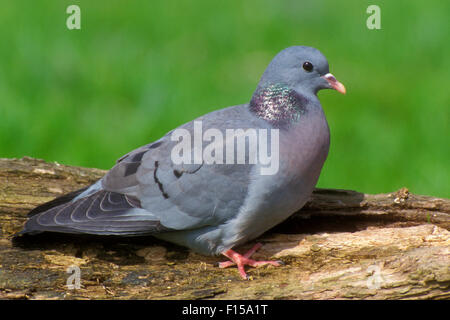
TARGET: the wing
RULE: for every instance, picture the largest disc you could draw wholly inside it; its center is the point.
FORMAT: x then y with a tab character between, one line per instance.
187	196
146	192
103	213
57	201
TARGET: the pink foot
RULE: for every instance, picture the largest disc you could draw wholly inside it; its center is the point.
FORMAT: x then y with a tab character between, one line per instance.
242	260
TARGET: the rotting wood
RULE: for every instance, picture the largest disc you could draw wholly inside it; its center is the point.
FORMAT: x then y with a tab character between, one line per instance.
342	245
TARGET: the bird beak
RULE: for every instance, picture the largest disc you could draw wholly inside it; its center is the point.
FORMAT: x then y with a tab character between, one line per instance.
336	85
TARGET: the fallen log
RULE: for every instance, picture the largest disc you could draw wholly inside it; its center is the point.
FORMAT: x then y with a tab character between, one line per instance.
342	245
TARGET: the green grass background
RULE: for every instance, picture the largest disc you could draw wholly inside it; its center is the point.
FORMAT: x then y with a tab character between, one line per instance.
137	69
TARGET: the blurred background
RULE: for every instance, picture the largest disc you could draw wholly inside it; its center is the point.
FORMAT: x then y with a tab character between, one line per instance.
138	69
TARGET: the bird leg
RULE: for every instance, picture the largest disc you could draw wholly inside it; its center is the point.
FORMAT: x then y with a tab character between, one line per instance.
242	260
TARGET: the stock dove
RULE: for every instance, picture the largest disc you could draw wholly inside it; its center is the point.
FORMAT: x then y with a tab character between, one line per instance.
210	202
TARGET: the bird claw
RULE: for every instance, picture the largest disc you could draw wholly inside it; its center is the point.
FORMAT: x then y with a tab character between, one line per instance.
242	260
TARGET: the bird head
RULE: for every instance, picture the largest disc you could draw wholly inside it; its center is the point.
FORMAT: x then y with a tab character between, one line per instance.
304	69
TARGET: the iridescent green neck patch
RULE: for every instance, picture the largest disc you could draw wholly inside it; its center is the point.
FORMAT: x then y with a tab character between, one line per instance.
278	104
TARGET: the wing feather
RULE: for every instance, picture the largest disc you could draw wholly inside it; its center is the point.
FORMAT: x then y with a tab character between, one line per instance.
103	212
145	192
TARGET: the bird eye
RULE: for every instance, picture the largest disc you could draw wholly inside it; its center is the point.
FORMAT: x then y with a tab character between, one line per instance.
308	66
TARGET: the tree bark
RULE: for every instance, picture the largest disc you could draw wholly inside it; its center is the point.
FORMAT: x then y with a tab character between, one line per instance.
342	245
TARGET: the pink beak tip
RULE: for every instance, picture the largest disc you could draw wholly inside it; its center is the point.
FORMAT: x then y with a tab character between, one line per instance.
336	85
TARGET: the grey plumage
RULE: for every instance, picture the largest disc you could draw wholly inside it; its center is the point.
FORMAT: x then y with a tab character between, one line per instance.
211	208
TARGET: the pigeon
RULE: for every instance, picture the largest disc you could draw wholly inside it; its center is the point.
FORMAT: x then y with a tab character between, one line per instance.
198	186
